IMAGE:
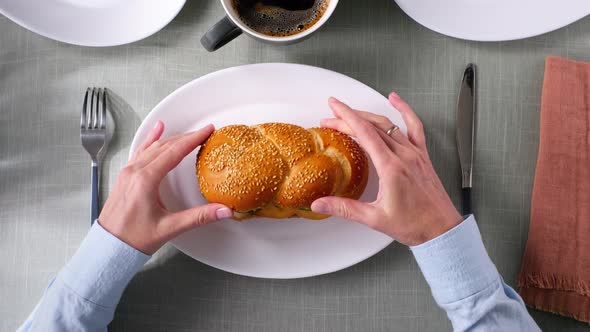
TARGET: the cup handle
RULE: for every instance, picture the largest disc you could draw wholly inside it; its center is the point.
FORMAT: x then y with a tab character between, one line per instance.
220	34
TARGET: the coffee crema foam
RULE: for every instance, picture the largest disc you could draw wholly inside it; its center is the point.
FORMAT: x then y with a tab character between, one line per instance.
280	18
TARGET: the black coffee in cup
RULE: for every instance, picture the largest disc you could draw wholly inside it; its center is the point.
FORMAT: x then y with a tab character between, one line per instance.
280	18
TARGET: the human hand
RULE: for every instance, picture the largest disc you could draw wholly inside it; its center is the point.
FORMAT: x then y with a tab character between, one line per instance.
412	205
134	212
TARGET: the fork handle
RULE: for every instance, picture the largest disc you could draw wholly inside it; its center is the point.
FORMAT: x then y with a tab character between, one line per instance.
94	199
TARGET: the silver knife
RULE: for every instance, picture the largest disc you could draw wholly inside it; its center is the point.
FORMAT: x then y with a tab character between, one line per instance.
466	134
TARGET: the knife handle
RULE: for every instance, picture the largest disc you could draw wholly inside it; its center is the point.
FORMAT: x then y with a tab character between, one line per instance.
466	201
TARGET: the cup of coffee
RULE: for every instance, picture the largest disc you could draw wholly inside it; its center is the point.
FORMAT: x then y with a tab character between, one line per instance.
274	21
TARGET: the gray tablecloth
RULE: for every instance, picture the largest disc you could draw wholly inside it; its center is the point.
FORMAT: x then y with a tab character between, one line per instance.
44	172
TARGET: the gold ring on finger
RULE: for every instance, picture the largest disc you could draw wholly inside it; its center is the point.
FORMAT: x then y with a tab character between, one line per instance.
392	130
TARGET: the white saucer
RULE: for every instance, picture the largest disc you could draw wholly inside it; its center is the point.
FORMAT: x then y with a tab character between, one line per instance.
495	20
92	22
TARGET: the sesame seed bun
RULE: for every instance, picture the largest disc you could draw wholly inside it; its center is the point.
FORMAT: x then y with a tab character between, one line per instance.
277	170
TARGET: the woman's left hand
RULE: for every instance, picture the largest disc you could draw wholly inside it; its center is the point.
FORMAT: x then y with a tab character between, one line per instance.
412	205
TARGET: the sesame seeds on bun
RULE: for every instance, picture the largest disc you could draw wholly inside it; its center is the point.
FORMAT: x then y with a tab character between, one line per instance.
277	170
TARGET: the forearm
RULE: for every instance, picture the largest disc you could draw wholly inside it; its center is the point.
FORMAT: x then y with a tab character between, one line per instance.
467	285
85	293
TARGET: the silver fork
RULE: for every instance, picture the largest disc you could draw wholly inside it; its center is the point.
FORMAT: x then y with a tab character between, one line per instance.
93	133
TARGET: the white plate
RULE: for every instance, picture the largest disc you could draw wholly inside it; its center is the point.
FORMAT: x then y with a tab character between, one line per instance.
92	22
252	94
494	20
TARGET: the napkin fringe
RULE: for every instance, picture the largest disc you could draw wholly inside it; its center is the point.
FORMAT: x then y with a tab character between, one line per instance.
555	282
538	304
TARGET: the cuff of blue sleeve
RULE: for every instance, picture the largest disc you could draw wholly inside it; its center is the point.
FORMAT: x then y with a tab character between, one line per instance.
102	267
456	264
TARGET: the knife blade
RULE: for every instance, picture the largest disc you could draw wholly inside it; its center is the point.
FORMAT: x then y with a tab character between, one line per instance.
466	134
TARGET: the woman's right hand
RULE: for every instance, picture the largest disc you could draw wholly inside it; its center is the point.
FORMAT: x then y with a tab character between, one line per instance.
412	205
134	211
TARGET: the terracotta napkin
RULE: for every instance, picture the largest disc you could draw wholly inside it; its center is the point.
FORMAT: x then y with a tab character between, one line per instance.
555	273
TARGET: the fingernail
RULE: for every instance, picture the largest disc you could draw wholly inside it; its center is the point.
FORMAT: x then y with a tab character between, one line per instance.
394	96
223	213
158	124
320	207
333	100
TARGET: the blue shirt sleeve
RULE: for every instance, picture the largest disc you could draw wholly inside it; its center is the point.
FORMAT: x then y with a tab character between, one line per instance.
84	294
463	280
467	285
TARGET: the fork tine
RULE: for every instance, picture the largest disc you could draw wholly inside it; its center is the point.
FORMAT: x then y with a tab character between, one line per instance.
95	105
91	110
98	107
97	110
103	110
84	113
